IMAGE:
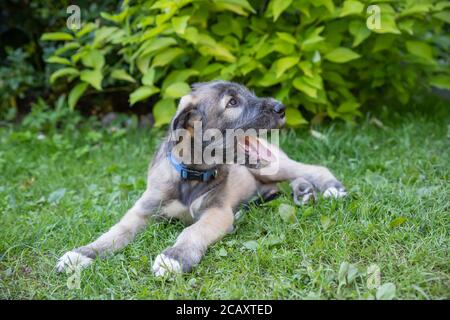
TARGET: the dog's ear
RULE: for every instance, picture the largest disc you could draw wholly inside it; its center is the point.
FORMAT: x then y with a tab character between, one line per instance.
197	85
186	118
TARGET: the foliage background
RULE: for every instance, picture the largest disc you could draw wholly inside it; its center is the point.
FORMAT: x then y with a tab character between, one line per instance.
394	163
318	57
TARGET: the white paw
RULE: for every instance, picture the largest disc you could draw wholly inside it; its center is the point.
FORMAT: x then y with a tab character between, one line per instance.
163	264
334	193
71	261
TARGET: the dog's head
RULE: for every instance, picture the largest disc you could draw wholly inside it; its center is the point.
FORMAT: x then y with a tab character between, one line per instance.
225	106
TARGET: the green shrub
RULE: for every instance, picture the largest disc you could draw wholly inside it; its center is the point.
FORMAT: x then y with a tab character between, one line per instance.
317	56
17	76
23	72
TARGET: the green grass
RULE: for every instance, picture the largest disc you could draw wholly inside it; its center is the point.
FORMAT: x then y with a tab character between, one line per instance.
396	216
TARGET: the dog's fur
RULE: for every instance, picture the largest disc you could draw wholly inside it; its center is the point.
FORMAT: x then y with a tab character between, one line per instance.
209	207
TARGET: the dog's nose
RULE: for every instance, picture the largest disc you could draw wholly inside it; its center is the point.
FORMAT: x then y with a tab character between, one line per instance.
279	108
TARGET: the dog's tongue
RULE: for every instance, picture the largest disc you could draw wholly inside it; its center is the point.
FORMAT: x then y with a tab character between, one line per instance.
256	149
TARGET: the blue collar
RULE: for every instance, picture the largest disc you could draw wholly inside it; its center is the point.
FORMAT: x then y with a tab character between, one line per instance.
190	174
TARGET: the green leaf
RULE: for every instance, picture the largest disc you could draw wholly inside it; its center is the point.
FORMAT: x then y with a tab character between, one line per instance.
415	9
177	90
166	57
308	212
359	31
397	222
440	81
342	275
60	60
287	37
88	27
56	36
218	51
307	68
315	81
93	77
300	84
179	24
222	252
325	221
386	291
420	49
348	106
142	63
387	24
444	16
326	3
283	64
351	7
117	18
383	42
273	240
56	196
66	47
142	93
179	76
93	59
251	245
341	55
287	213
352	273
243	3
76	93
278	6
312	39
373	276
407	25
121	74
155	44
63	72
163	111
149	77
294	117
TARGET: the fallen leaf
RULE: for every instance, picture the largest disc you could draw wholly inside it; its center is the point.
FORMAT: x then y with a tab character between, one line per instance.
308	212
287	213
222	252
56	196
397	222
373	276
386	291
251	245
326	222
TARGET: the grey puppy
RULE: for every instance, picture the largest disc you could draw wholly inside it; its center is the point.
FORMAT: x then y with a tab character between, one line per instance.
207	196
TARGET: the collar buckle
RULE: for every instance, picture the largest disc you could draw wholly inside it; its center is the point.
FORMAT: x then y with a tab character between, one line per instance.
190	174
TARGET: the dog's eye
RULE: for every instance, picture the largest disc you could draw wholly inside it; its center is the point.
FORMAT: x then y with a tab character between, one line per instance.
232	103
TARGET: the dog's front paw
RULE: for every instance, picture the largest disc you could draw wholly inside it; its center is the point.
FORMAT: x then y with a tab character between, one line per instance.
335	190
71	261
164	264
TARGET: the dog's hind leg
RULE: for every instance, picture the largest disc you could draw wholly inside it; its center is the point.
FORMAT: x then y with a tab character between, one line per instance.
300	174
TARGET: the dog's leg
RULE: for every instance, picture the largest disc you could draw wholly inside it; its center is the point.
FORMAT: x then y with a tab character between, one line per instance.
192	243
303	177
116	238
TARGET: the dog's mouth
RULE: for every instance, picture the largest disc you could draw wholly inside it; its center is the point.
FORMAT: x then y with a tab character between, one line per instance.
257	152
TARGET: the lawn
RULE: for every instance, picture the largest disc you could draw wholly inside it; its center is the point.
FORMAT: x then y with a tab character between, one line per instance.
63	189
